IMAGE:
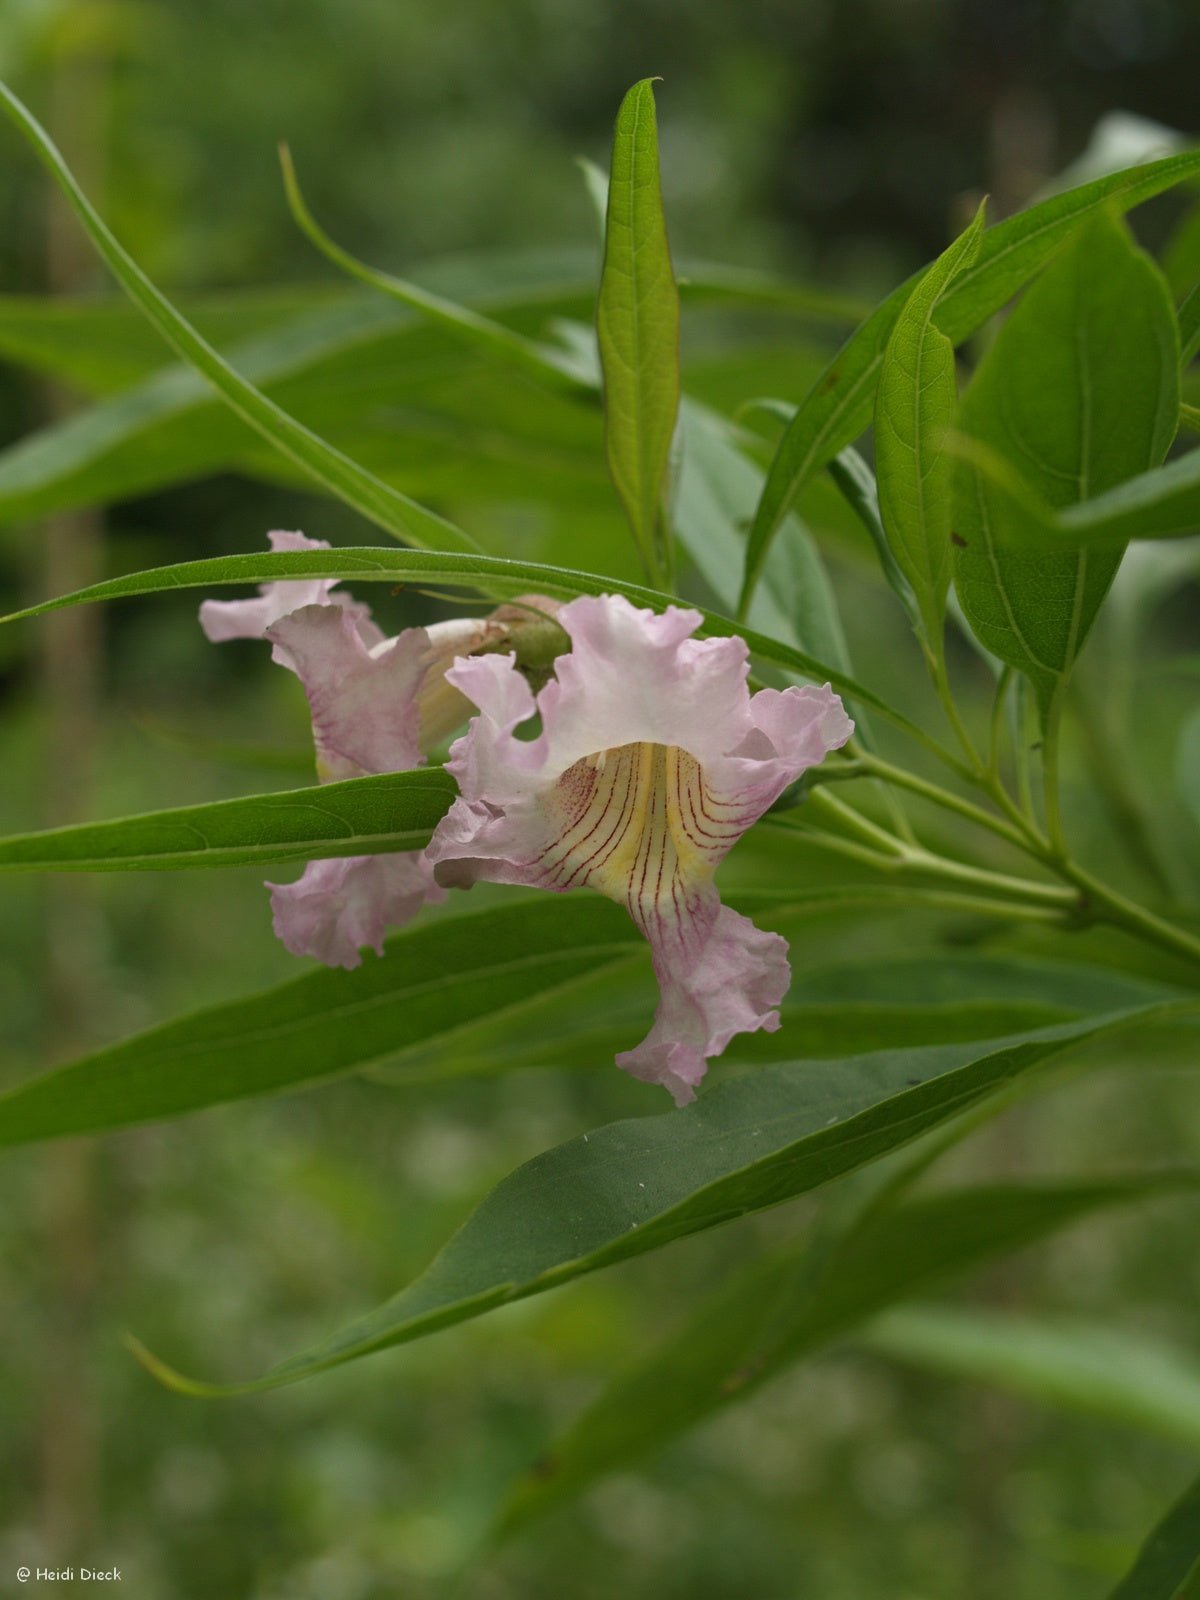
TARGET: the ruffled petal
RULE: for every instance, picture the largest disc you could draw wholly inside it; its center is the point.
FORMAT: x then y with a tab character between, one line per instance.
364	703
651	762
250	619
343	905
731	982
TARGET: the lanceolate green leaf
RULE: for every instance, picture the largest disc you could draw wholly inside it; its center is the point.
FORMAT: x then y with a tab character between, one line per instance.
638	326
430	981
838	406
360	817
384	506
635	1186
914	410
1079	392
1168	1564
489	574
793	1303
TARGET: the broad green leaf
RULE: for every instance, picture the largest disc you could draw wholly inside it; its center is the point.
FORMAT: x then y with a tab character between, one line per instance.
790	1304
545	363
360	817
637	321
838	406
1079	391
490	574
430	981
1168	1564
915	405
1080	1366
747	1144
379	503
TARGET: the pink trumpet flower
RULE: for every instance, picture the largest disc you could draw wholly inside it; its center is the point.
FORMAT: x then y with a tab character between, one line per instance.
377	705
652	760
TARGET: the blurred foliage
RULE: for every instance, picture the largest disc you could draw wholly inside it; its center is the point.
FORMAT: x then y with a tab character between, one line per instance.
833	139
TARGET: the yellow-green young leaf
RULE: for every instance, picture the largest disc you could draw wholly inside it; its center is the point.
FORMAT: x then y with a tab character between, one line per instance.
837	407
1168	1564
746	1144
638	326
915	406
1079	392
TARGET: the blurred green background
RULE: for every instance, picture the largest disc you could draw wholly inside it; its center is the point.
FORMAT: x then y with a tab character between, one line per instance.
837	143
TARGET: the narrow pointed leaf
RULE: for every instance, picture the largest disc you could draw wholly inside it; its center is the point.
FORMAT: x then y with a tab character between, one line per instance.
1079	392
915	408
360	817
638	326
838	406
381	504
430	981
631	1187
494	575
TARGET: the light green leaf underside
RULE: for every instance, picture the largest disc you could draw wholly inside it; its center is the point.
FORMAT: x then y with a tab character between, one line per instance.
915	405
1079	391
362	816
838	406
1094	1369
793	1303
637	323
747	1144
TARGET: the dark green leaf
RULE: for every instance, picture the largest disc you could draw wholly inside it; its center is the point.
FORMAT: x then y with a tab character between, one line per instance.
745	1145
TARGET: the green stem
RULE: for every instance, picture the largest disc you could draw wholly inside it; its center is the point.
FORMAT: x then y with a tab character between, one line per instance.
949	801
1127	914
1052	724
